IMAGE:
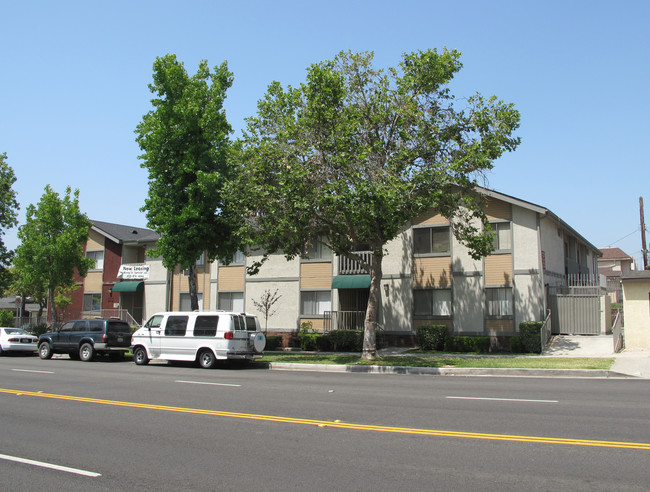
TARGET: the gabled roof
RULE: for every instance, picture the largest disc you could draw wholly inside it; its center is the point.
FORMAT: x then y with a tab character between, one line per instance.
614	254
122	234
540	210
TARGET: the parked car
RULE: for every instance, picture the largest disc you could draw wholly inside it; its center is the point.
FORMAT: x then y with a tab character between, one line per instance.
204	337
17	340
85	338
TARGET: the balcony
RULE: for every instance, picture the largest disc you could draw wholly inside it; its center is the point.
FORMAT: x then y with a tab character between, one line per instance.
344	320
353	267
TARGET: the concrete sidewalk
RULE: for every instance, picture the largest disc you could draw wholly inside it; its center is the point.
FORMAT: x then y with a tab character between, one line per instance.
634	363
627	364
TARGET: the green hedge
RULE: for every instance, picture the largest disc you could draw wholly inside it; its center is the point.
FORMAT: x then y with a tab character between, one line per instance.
432	337
467	344
273	342
530	334
345	340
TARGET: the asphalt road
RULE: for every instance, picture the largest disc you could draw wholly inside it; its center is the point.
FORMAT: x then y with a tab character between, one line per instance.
162	427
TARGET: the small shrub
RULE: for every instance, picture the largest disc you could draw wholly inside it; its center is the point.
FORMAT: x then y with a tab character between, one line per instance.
432	337
7	319
273	342
530	333
345	340
38	330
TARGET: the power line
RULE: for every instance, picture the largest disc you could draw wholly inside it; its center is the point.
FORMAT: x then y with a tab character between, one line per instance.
625	237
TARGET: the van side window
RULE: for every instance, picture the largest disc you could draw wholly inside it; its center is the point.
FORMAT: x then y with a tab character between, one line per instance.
250	323
206	326
80	326
238	323
154	322
176	326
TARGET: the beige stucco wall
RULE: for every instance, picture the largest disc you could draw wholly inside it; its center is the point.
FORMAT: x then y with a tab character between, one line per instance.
636	305
553	248
286	308
468	304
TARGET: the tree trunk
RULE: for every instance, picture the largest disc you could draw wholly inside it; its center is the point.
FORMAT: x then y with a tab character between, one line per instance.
194	296
52	308
370	324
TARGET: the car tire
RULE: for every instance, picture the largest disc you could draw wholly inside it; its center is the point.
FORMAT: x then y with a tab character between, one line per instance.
1	351
140	356
86	352
206	359
45	351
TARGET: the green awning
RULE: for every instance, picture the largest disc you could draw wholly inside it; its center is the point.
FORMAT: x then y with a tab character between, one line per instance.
351	282
129	286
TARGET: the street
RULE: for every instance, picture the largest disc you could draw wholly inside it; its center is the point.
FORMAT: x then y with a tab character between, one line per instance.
163	427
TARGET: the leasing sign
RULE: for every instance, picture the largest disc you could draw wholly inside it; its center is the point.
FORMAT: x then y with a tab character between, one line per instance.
133	272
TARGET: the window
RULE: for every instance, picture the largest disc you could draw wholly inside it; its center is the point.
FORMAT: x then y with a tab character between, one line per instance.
502	238
315	302
176	326
316	250
98	258
432	302
200	263
429	240
498	302
154	322
231	301
92	302
239	258
186	302
206	326
69	326
96	325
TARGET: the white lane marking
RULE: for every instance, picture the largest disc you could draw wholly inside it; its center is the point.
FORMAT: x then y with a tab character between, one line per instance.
500	399
31	370
212	384
42	464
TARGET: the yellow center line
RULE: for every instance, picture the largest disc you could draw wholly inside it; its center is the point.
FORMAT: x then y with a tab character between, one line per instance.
339	425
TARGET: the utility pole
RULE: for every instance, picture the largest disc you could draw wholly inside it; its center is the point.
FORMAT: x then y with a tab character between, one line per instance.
644	249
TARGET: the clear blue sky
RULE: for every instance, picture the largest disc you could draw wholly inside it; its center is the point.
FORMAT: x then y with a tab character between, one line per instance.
74	76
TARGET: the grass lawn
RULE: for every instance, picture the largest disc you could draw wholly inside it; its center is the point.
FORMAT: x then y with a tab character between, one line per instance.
525	362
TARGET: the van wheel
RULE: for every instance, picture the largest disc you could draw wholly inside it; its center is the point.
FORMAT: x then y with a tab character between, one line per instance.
206	358
140	356
86	352
45	351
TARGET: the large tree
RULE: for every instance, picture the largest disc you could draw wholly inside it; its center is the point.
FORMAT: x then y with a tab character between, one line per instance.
52	245
353	154
185	144
8	217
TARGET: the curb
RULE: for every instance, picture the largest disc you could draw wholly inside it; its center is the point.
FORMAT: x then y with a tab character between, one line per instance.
446	371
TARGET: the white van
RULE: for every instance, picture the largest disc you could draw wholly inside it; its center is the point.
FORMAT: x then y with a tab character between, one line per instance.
204	337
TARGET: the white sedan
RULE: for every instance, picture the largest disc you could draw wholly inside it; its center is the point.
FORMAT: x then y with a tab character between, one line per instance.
16	340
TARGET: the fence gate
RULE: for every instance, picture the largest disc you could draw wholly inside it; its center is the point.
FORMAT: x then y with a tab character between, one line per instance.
575	310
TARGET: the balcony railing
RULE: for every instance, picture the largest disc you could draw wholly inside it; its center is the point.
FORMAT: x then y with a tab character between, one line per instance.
344	320
354	267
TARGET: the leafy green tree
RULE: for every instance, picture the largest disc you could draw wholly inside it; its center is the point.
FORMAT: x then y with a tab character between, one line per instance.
185	144
52	244
352	155
8	217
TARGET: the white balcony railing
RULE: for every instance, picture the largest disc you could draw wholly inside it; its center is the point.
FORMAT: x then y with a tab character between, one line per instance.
354	267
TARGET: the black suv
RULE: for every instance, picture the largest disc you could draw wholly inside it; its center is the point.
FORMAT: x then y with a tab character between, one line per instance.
84	338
